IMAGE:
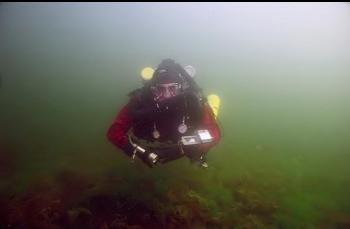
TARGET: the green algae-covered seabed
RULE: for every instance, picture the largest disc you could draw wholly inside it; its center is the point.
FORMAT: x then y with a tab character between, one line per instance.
281	70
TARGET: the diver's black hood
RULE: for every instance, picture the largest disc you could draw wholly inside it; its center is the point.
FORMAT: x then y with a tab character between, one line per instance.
169	70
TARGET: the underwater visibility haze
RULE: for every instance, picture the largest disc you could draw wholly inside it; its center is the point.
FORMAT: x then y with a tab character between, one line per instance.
282	71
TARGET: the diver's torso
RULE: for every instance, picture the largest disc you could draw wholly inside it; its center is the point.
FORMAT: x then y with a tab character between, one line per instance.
168	125
163	128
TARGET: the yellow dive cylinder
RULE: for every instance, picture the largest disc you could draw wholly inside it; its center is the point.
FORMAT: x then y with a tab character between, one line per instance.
214	103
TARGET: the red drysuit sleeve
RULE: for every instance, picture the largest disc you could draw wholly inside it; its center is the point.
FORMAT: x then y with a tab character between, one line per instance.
117	133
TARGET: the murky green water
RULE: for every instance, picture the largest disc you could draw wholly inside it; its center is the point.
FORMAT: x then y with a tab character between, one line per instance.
281	70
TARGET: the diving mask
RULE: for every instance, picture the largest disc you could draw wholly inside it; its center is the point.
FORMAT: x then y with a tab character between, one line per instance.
165	91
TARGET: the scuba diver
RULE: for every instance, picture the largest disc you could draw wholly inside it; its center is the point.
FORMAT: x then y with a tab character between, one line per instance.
167	118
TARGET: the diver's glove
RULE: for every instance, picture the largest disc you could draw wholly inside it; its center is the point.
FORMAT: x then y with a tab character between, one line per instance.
169	154
201	161
196	156
192	151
